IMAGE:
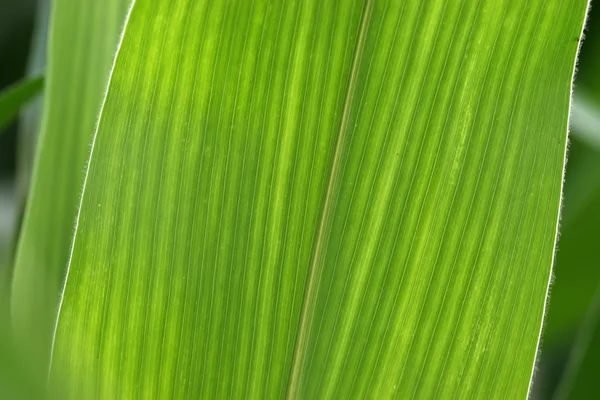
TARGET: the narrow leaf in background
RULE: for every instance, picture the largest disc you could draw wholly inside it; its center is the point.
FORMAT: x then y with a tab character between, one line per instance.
31	116
82	45
321	200
12	99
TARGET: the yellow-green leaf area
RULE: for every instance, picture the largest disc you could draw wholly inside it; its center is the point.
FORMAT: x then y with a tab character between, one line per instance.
321	199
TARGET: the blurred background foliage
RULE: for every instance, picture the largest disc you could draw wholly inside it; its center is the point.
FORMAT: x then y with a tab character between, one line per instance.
570	354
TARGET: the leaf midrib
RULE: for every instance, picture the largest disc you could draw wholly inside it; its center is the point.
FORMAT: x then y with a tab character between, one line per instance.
322	234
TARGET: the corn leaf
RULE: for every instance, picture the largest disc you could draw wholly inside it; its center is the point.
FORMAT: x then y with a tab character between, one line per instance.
82	44
14	97
30	117
321	199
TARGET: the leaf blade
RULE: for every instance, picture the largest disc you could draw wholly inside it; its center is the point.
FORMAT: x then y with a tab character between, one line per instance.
219	203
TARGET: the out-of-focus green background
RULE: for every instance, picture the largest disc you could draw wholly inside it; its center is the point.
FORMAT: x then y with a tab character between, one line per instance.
569	366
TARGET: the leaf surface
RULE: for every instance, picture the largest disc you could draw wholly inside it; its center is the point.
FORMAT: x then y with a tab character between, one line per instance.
321	200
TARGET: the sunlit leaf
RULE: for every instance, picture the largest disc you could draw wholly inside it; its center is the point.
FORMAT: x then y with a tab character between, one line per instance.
321	199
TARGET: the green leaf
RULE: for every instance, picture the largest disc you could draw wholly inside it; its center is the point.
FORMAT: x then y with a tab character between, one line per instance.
82	44
31	116
13	98
321	200
29	126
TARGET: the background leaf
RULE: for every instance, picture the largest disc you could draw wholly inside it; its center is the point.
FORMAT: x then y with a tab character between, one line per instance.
31	116
82	45
580	379
11	100
321	200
